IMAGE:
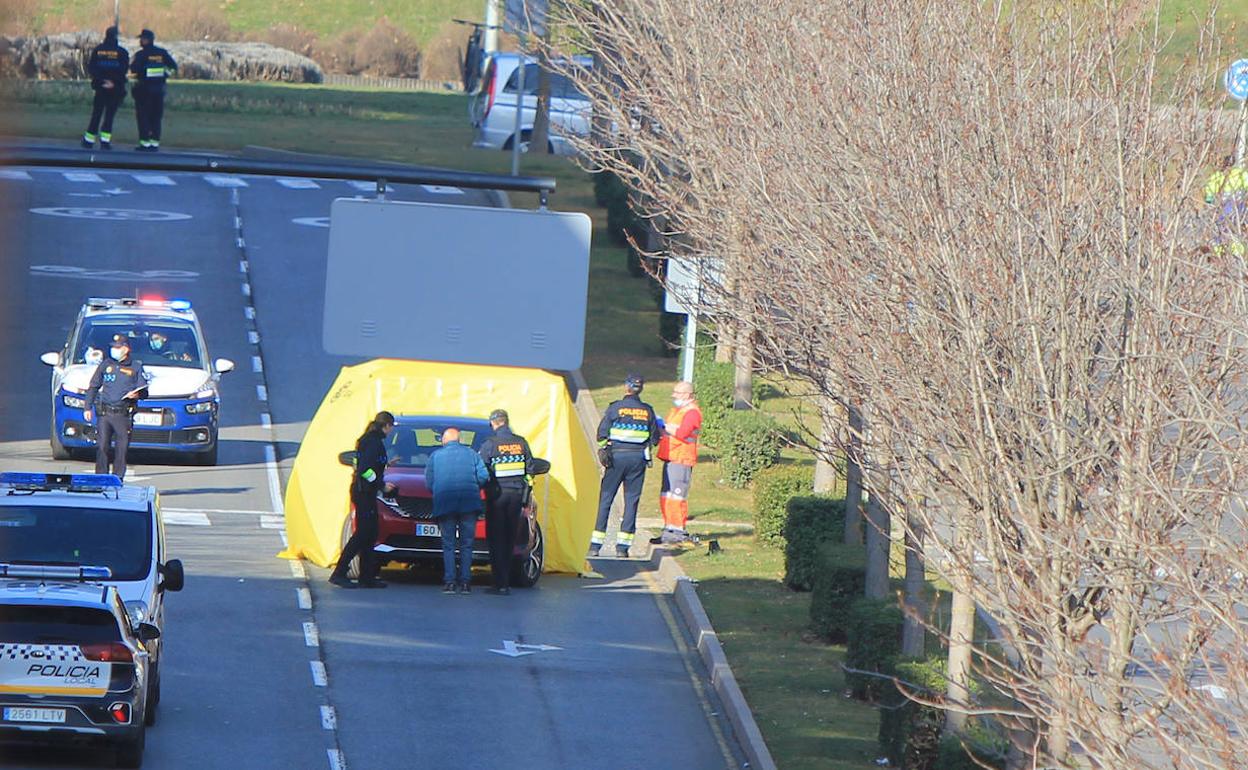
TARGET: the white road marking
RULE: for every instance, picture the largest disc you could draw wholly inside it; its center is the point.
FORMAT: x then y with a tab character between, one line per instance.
299	184
282	534
246	289
250	313
275	484
240	243
363	186
513	649
242	266
159	180
187	518
8	173
304	598
336	760
239	511
262	393
312	221
441	189
219	180
125	215
234	196
238	223
319	677
311	637
272	522
257	365
329	719
297	571
253	338
81	176
266	420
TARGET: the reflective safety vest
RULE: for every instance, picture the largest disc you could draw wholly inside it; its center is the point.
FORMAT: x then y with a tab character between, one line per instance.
680	451
509	460
1232	181
630	426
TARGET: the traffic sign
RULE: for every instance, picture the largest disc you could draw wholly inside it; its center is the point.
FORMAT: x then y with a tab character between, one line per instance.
1237	80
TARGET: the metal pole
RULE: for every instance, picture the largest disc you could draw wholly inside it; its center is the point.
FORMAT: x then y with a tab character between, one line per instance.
491	26
1241	143
117	14
515	136
691	338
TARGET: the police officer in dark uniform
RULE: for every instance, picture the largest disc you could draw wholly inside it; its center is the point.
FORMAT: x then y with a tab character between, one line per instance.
626	434
367	480
107	68
151	66
510	462
117	384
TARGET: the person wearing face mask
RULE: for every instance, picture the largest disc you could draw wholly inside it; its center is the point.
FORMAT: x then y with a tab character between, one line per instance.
678	449
118	383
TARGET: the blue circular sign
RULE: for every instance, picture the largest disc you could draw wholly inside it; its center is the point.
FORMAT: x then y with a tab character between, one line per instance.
1237	80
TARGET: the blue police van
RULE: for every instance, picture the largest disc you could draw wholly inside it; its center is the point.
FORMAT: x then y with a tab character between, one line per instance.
181	412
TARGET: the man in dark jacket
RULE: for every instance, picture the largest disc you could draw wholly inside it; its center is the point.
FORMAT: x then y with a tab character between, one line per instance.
455	476
107	68
366	481
152	66
117	384
626	434
510	462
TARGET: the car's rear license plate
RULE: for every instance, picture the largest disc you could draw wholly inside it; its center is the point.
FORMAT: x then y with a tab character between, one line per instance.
25	714
432	530
147	418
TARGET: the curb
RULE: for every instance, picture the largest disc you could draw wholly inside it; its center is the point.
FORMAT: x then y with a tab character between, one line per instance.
672	575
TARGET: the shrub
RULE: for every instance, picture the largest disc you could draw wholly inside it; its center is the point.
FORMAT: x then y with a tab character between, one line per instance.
773	488
387	51
809	522
672	330
910	732
839	581
987	749
872	645
716	386
749	443
606	187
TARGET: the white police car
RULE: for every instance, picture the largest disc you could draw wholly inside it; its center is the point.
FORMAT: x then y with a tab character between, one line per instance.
71	522
182	409
73	664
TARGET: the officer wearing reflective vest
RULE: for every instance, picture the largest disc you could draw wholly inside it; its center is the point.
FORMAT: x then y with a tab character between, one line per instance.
678	449
151	67
117	384
626	434
509	461
107	68
1227	189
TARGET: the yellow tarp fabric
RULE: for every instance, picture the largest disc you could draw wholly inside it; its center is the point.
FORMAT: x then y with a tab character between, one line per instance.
540	408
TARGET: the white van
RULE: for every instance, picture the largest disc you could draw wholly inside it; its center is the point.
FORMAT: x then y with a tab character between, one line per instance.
493	106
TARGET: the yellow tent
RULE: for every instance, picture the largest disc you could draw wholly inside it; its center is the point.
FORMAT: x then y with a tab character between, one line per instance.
541	410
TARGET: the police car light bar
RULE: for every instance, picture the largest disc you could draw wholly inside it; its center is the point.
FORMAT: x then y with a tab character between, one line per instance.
56	571
71	481
101	303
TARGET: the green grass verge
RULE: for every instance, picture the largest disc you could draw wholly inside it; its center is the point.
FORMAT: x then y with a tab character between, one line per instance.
793	684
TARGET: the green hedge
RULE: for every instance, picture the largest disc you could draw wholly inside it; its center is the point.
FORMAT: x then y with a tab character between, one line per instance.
809	522
749	443
839	581
910	733
873	643
716	385
773	488
990	750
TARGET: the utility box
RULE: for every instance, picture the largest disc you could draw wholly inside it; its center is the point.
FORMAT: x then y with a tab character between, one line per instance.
460	284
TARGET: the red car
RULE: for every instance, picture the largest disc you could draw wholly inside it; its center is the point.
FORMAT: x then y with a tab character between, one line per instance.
407	531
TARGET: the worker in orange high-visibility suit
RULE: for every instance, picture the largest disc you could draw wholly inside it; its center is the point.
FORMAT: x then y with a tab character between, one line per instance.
678	449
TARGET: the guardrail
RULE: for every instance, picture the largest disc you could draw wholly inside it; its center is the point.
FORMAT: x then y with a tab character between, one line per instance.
390	84
19	155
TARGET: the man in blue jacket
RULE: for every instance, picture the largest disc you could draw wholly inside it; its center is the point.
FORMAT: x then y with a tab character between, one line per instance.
455	476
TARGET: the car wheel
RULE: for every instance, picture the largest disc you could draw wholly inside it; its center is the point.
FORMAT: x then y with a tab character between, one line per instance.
353	569
153	697
209	457
59	450
524	143
130	752
528	571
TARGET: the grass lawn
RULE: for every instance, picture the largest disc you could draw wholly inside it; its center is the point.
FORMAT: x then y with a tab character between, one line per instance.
793	684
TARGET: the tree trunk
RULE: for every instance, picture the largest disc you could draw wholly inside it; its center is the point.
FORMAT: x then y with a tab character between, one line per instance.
913	634
961	634
878	538
723	342
853	476
743	381
825	466
539	140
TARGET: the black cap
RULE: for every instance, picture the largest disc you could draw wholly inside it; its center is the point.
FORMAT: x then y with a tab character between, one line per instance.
121	339
634	382
499	415
147	33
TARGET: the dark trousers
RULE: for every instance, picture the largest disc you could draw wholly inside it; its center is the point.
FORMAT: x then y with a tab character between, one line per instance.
107	100
112	427
628	468
149	109
363	539
458	533
502	522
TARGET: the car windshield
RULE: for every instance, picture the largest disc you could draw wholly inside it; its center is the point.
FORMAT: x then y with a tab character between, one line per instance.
410	443
22	624
154	341
37	534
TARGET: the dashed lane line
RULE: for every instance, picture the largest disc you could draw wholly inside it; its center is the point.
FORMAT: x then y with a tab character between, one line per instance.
303	597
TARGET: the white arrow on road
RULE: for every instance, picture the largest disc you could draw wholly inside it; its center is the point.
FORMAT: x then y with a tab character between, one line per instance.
514	649
116	191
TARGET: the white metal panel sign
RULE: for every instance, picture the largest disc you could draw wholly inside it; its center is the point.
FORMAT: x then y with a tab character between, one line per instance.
462	284
692	285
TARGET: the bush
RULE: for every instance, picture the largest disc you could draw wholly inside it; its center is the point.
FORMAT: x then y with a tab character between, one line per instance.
773	488
809	522
840	578
749	442
872	644
988	749
672	330
715	393
910	733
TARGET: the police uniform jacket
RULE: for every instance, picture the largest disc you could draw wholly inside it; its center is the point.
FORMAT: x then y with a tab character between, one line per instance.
629	425
151	66
108	62
112	380
370	463
508	458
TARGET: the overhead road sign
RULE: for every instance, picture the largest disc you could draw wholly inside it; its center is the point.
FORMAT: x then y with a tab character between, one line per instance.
1236	80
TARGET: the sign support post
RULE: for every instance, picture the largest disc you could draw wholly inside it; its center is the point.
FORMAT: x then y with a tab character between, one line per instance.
691	346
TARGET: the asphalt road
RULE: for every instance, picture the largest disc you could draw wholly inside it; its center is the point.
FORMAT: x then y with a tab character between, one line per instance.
266	665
